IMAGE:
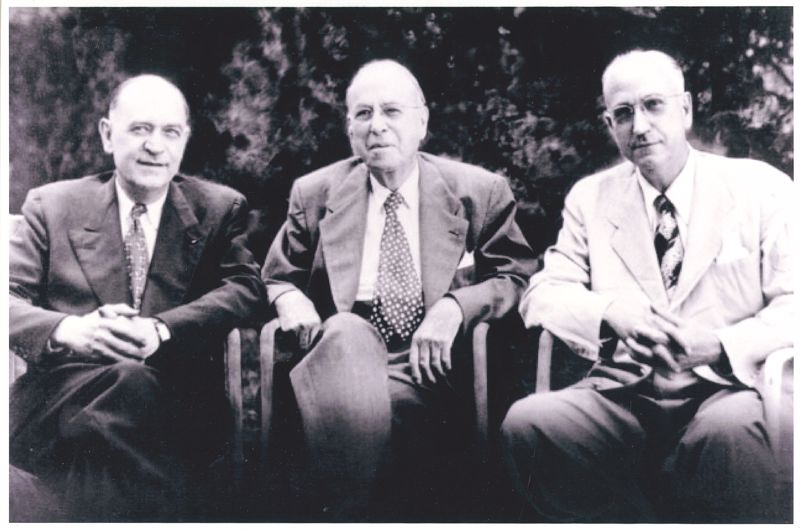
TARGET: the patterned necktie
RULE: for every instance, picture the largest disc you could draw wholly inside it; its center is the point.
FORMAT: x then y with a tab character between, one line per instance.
136	255
397	307
668	243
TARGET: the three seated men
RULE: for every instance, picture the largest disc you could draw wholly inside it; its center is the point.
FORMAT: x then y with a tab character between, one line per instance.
672	272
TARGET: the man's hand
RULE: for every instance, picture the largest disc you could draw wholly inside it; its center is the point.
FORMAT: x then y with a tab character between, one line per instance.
624	317
106	332
691	345
297	314
433	340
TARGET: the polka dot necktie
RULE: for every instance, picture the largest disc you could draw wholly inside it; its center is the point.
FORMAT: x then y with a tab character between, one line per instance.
669	248
397	307
136	255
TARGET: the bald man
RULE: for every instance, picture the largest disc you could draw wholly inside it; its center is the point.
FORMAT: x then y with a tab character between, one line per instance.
385	263
672	274
123	286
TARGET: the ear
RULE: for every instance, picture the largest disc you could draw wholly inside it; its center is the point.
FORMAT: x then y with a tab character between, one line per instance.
104	127
608	121
424	113
686	103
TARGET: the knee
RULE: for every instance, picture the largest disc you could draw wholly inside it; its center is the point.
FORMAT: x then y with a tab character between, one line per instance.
728	426
521	419
350	329
133	378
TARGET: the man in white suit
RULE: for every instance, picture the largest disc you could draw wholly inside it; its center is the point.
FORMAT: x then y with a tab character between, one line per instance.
672	273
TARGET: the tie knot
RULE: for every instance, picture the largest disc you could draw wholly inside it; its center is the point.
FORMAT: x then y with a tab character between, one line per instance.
137	210
393	201
663	204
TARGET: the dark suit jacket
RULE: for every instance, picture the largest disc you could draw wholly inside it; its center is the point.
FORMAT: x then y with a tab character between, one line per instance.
470	246
67	258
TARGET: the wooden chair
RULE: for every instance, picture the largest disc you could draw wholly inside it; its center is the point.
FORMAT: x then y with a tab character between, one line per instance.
241	347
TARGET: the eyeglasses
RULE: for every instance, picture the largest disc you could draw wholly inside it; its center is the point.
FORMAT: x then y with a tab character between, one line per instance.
392	111
651	106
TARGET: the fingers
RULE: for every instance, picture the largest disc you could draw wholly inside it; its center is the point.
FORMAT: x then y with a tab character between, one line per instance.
413	360
117	310
665	357
123	329
638	352
105	341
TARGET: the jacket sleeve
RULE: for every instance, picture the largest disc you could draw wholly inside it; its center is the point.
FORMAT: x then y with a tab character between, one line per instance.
558	297
30	324
237	297
288	263
503	261
748	341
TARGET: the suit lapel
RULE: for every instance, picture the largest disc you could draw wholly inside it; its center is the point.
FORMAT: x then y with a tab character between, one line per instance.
342	236
442	233
711	203
179	245
98	246
632	239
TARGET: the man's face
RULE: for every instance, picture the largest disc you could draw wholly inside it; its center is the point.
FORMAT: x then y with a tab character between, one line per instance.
648	115
146	133
386	121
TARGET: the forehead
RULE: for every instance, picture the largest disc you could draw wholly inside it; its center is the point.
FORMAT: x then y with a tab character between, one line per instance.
381	85
152	102
633	79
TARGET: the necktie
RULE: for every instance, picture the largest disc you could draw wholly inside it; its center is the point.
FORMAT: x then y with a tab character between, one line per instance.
669	248
397	307
136	255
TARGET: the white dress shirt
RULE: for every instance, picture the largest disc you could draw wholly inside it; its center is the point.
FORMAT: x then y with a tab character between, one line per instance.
150	219
679	194
407	214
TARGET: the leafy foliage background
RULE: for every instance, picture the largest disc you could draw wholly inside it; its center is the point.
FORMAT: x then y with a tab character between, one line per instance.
516	90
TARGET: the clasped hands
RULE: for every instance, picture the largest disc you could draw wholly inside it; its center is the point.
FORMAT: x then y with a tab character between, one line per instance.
430	352
661	339
113	331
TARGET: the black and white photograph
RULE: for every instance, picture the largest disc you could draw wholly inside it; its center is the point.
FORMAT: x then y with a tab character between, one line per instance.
413	264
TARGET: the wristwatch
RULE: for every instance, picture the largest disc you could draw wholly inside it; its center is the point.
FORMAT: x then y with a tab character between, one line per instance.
163	331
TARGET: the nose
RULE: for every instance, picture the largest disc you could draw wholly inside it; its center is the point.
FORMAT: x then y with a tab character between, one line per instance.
378	122
641	124
153	144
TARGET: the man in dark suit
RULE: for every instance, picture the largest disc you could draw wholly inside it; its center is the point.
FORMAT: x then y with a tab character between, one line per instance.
386	261
672	273
122	287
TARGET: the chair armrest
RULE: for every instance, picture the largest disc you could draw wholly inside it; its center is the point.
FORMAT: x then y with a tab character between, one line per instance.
776	384
267	346
480	385
544	361
233	390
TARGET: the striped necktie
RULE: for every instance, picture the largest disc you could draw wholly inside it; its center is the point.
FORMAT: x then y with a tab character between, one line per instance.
669	248
136	255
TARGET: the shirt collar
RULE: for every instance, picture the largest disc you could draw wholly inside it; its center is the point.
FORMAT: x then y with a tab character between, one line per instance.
679	192
126	204
409	190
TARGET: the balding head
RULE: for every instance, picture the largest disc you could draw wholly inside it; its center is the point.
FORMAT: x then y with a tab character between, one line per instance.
148	83
389	71
651	61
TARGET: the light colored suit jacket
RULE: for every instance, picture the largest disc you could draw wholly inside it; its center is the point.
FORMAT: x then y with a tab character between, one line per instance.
736	278
470	246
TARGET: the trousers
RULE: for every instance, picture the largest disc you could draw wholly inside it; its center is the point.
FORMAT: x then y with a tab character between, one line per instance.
577	455
375	438
114	442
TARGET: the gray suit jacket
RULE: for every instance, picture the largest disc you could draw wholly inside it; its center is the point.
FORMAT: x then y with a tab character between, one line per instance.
466	215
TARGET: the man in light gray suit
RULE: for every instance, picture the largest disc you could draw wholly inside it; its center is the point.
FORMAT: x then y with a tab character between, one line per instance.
672	274
386	262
